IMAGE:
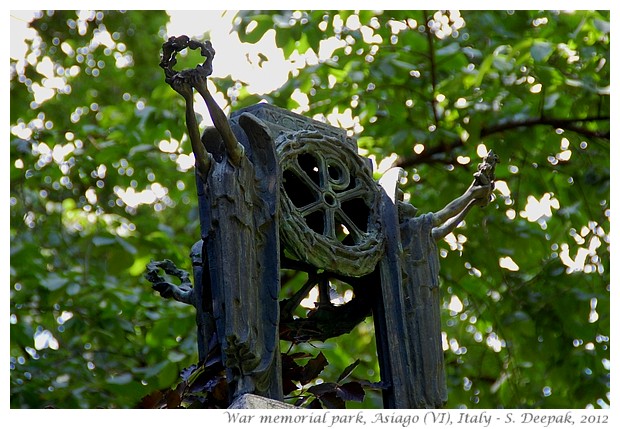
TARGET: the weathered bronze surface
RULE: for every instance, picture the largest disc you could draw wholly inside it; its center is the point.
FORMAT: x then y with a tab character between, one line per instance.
278	191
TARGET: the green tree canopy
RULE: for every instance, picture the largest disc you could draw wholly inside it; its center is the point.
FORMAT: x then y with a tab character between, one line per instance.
100	186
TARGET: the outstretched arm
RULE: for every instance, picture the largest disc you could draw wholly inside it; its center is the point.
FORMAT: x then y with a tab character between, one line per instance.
441	231
448	218
234	149
479	192
473	193
203	159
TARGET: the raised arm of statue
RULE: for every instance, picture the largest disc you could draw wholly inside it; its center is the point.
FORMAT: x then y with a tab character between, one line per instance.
478	193
443	229
203	159
234	149
183	82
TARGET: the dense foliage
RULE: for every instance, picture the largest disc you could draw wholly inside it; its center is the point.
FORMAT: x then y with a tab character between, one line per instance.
99	187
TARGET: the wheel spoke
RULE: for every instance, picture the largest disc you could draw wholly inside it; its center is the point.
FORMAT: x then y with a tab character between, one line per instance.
322	178
303	176
351	193
330	223
311	208
357	233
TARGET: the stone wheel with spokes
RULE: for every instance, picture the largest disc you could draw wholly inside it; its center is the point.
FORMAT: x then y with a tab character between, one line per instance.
329	204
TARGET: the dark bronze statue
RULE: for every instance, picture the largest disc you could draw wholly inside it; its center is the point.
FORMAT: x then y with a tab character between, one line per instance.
238	198
279	191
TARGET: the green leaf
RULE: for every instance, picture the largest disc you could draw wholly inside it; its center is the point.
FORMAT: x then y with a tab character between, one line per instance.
450	49
53	282
503	63
126	245
176	356
141	148
263	23
119	379
603	26
103	241
541	51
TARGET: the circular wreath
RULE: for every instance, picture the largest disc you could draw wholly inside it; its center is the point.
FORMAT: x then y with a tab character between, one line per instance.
175	45
329	203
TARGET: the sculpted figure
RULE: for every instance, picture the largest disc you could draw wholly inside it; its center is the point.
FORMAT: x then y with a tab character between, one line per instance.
413	268
278	190
239	283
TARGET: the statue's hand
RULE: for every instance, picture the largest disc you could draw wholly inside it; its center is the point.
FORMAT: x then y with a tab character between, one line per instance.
165	289
197	81
182	293
183	87
169	290
481	193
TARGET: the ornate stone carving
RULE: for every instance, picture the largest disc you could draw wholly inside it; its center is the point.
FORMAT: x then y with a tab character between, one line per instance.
329	204
278	191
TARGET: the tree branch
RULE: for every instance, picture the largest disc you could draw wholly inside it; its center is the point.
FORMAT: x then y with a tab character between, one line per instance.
431	58
569	124
429	154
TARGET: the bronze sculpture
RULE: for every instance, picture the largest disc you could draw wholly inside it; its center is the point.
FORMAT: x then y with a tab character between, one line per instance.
277	190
